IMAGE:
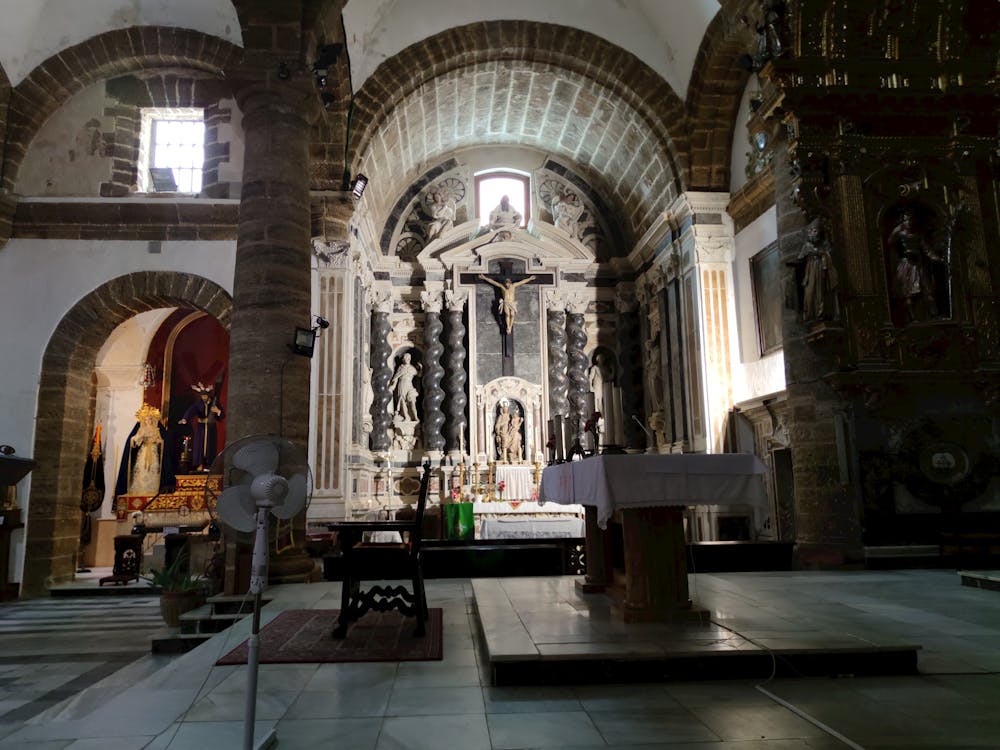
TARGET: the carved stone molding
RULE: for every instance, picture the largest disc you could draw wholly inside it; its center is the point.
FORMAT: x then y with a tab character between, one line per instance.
332	253
555	300
379	299
431	300
455	299
576	302
626	299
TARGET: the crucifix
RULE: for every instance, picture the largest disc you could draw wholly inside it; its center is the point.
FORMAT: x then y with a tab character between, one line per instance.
506	283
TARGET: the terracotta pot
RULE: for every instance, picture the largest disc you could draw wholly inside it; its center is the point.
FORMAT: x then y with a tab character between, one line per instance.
175	603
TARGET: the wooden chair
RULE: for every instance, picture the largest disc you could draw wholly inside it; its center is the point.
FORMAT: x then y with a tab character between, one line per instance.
383	561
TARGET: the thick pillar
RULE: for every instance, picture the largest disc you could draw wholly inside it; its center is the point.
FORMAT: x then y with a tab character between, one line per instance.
433	372
268	384
455	376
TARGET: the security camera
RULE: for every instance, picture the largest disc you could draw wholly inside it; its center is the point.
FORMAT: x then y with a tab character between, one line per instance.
322	322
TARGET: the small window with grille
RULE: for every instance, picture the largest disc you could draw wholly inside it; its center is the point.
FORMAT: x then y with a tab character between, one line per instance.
171	145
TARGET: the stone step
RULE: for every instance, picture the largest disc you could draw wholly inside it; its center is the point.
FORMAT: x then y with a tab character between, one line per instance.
205	620
176	643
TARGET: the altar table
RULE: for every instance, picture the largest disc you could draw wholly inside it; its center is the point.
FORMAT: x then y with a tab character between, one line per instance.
647	495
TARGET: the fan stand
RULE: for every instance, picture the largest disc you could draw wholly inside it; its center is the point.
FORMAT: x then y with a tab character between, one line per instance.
258	578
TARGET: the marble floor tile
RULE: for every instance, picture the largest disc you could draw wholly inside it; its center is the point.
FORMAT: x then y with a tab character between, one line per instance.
542	730
468	732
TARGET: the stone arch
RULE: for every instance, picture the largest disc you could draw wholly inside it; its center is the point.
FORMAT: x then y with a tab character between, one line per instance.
589	80
113	53
717	83
65	408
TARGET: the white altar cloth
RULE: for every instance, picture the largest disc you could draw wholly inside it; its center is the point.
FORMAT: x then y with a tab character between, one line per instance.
506	508
513	527
519	481
644	480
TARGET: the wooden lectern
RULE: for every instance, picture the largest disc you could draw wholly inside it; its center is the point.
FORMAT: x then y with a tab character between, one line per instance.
12	471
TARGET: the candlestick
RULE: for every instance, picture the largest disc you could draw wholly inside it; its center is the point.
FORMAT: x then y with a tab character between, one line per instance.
620	421
560	438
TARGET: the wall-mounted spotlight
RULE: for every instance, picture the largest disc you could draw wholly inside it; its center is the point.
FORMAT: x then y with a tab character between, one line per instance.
326	56
283	73
304	341
358	185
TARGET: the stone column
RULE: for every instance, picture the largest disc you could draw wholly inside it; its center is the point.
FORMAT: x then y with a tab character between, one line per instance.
268	384
433	372
381	370
576	306
629	360
555	305
714	250
455	376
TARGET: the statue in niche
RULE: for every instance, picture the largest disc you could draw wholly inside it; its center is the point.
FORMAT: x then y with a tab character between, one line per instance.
144	469
501	430
566	212
514	446
203	415
920	280
442	210
600	372
505	216
818	276
406	391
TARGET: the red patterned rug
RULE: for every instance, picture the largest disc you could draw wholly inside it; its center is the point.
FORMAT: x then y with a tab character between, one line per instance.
303	636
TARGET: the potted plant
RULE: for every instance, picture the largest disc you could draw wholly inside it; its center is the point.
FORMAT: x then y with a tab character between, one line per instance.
180	591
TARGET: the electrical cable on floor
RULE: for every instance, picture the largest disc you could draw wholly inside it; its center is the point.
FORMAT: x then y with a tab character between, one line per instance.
811	719
227	646
774	670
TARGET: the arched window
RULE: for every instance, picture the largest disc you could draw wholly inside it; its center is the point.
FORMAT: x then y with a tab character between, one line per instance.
491	186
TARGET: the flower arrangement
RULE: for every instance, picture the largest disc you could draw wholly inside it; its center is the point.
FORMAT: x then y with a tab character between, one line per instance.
454	494
500	488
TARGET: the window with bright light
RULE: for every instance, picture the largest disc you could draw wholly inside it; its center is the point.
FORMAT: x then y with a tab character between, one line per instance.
172	139
492	186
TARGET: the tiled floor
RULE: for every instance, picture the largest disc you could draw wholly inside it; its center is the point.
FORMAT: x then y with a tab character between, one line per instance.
189	703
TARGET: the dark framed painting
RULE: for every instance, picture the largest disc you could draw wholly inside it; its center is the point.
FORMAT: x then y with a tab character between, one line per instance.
765	278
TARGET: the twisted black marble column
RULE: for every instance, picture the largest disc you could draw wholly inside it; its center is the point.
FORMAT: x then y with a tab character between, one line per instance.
433	374
558	384
455	379
629	356
381	375
577	372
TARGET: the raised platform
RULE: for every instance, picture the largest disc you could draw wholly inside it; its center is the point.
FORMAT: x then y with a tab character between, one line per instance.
981	579
544	631
453	558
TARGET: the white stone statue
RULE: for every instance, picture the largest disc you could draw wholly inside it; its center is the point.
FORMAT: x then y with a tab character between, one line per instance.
505	216
442	211
406	391
566	212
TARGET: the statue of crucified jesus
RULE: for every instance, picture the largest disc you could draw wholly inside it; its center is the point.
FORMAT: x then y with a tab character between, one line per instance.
508	305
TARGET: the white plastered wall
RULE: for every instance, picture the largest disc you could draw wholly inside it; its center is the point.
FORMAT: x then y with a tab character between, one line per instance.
40	281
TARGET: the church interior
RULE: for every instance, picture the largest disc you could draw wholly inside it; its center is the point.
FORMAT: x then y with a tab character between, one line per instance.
491	241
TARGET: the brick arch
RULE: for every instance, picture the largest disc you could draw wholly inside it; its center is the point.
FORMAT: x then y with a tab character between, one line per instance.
717	84
590	68
107	55
65	408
